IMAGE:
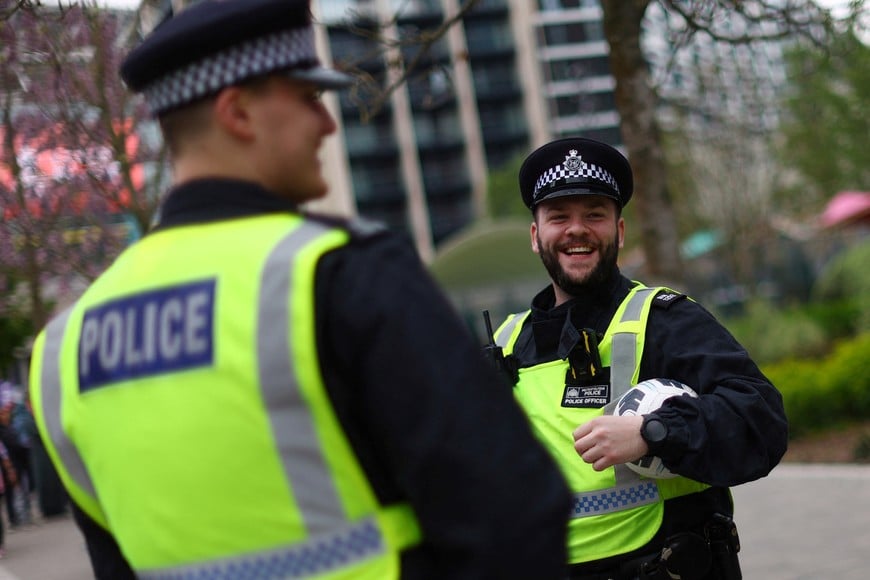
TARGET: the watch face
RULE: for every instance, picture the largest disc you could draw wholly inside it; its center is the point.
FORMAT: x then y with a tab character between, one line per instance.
654	431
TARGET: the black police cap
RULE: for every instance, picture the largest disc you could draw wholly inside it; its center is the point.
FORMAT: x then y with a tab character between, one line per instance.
575	166
214	44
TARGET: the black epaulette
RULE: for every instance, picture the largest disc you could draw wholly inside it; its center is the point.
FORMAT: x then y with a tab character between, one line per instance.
359	228
667	298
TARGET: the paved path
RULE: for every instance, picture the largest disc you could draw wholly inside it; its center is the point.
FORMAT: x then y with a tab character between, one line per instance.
803	522
806	522
46	550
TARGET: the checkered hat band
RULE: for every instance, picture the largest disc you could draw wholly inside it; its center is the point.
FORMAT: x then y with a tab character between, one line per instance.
281	50
587	171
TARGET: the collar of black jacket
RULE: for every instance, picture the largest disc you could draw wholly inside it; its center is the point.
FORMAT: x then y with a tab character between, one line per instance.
207	200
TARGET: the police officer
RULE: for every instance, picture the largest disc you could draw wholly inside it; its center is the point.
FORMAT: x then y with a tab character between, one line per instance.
589	337
253	392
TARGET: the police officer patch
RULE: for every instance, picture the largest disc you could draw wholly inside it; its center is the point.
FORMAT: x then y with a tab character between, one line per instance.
586	396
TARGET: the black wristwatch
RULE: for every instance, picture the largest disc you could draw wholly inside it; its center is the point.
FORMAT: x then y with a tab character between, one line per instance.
654	431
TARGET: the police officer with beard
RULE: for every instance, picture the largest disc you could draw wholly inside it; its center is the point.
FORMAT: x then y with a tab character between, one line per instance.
590	336
255	392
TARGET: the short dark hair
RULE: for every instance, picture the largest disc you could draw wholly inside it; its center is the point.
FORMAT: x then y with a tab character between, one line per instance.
179	124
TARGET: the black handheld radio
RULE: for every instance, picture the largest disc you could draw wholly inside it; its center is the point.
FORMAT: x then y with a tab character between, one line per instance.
495	355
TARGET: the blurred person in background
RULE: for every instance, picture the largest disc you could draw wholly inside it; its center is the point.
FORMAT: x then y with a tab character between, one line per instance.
17	443
8	480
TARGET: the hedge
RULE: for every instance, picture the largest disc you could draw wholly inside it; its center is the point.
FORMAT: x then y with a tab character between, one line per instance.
826	392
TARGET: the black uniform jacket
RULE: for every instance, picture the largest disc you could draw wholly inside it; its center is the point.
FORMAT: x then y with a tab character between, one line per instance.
430	422
736	432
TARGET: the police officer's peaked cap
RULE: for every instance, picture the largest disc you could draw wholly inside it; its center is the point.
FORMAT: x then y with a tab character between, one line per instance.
575	166
215	44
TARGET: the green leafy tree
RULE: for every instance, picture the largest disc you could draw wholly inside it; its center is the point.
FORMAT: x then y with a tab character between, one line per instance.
825	135
637	102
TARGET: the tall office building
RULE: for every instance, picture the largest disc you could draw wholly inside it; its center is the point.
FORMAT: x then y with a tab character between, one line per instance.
573	57
511	76
419	160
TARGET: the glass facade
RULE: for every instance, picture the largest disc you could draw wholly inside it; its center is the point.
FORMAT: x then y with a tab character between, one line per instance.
442	155
494	70
575	90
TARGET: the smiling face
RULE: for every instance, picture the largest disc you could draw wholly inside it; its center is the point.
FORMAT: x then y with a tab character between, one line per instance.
268	131
578	238
290	122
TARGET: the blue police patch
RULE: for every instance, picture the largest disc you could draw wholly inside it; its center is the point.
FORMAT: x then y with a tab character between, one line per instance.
147	334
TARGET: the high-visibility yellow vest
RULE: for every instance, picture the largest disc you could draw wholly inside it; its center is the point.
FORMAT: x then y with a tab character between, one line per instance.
615	510
182	402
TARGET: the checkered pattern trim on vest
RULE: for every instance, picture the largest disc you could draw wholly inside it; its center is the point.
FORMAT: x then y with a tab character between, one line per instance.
319	556
611	500
282	50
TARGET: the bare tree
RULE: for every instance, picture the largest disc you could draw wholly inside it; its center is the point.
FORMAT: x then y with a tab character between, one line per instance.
733	22
8	8
73	161
637	102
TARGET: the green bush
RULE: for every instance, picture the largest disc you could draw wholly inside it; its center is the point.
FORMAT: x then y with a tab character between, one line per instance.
826	392
14	331
839	318
847	372
770	335
847	278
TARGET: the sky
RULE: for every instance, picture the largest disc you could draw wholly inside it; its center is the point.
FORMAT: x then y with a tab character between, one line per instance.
839	7
121	3
134	3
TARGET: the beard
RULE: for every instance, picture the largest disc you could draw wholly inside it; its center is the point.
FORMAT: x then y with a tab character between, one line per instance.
599	277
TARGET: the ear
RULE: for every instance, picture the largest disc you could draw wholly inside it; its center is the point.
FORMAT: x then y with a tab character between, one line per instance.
232	113
620	231
533	233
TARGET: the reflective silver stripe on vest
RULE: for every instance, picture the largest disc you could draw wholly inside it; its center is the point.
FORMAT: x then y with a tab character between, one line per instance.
316	556
631	490
623	351
51	404
292	425
505	333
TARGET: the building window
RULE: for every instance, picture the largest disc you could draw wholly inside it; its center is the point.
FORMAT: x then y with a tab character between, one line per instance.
437	127
581	104
573	33
575	69
558	5
501	121
376	182
484	36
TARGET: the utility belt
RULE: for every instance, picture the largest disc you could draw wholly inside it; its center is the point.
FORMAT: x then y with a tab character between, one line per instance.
707	554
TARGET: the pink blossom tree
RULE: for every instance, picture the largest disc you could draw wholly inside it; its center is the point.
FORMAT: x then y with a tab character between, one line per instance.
72	161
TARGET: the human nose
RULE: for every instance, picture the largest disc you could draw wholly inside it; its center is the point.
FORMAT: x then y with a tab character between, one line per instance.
329	124
576	225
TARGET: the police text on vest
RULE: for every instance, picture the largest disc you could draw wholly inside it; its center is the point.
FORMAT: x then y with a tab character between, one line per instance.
146	334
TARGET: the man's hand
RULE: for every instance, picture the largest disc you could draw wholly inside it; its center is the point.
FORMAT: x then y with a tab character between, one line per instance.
608	440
